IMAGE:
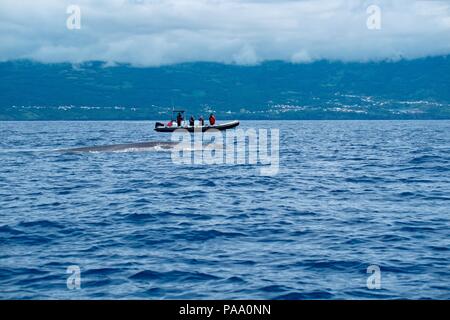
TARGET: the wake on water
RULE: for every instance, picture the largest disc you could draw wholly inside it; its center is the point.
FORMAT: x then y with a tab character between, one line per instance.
126	147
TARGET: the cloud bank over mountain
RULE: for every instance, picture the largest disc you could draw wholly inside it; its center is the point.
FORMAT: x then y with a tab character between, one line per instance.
160	32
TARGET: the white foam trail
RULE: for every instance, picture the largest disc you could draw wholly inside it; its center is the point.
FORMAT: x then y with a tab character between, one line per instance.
23	150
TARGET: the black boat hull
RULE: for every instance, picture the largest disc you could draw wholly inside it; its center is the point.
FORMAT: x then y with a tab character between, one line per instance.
220	127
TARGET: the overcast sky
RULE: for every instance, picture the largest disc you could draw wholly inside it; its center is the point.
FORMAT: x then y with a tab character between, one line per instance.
155	32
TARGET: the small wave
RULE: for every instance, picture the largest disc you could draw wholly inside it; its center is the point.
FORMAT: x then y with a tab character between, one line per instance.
209	183
302	213
97	283
174	275
274	288
140	217
235	279
370	294
338	265
17	272
31	239
41	224
210	234
5	229
439	248
414	229
392	238
425	159
31	281
101	271
313	295
365	179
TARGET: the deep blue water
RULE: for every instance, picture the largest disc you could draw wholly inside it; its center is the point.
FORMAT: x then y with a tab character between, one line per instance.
349	194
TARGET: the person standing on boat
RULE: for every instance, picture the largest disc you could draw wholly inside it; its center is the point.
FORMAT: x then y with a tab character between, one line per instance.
201	121
212	119
191	121
179	119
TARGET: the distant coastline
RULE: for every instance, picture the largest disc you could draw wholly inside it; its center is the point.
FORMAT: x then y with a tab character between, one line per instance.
323	90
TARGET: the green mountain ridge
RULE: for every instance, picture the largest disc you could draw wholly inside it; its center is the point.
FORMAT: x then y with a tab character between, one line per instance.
415	89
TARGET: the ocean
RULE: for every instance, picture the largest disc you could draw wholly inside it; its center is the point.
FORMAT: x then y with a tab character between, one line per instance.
349	197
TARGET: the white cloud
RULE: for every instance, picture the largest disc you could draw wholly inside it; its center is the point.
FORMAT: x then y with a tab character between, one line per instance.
155	32
301	56
246	56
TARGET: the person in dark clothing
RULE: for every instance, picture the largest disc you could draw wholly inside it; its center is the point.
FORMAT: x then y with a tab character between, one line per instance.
212	119
191	121
201	121
179	119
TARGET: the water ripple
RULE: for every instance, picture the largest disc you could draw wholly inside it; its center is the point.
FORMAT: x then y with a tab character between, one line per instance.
349	194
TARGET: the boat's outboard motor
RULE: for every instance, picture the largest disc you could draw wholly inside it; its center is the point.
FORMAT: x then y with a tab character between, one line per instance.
159	124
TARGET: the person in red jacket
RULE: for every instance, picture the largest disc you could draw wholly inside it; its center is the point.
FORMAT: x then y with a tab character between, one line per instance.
212	119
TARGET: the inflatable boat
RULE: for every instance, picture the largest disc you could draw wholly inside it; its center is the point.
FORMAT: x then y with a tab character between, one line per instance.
160	127
196	127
